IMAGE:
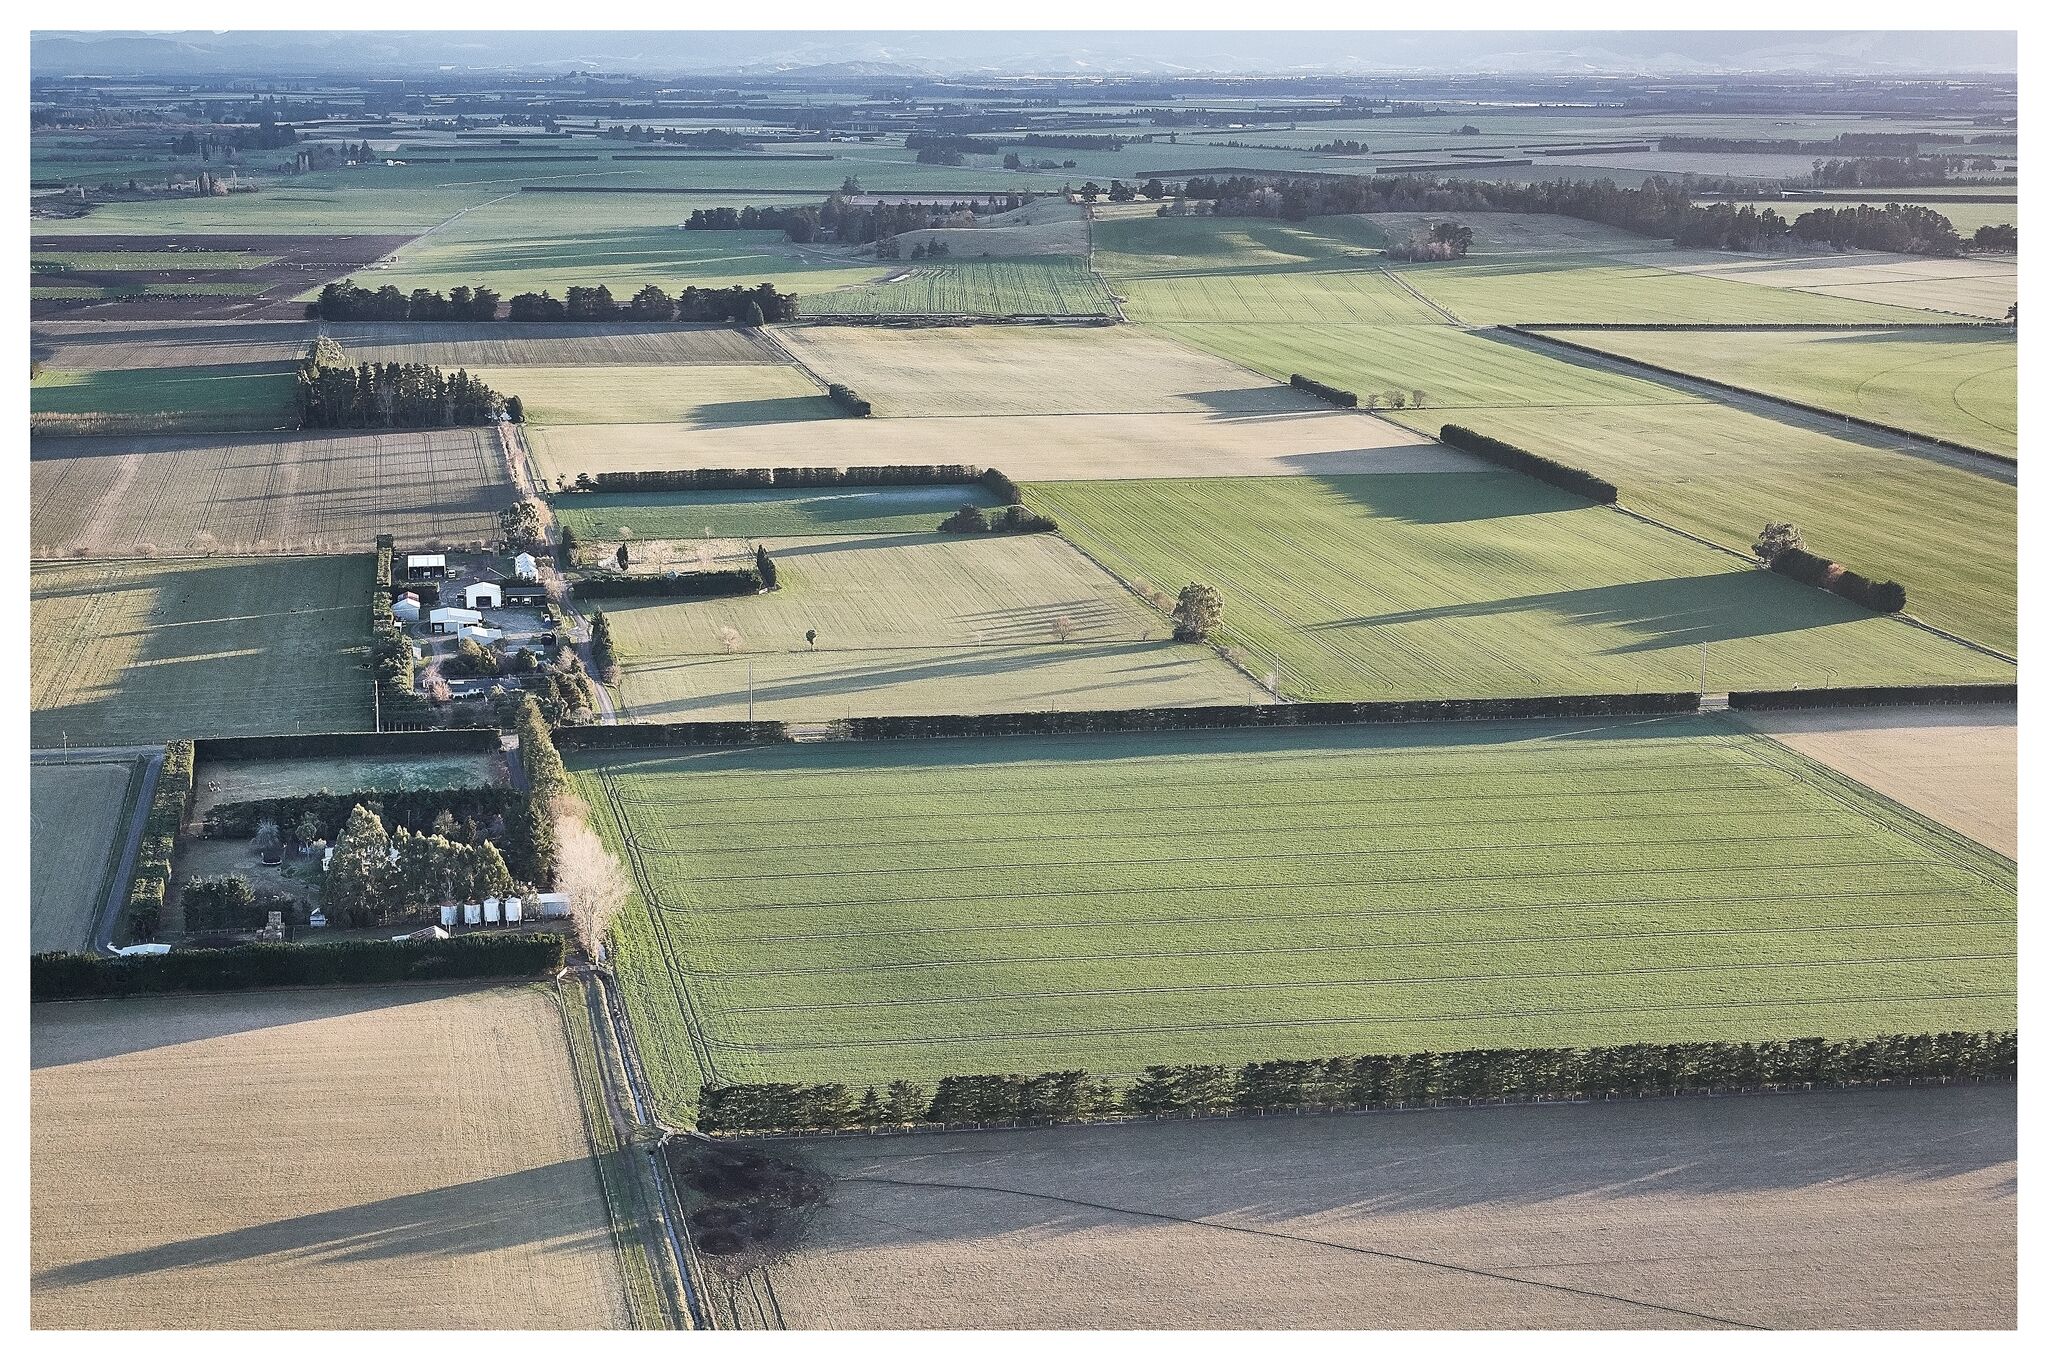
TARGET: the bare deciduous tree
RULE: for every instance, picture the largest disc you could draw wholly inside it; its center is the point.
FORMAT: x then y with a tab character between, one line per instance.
1063	628
596	883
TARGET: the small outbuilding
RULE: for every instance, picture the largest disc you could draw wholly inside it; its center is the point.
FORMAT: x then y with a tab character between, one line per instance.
426	566
406	609
483	595
523	592
452	619
551	905
480	634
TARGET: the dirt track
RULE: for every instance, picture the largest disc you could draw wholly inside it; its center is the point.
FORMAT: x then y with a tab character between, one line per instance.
1891	1209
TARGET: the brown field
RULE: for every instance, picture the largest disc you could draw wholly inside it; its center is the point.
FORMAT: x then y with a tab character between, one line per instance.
1028	448
500	344
1891	1209
166	344
402	1157
1977	286
292	265
150	495
1032	370
1957	764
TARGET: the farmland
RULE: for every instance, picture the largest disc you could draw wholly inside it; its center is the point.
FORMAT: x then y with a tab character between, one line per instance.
467	1198
1044	286
550	345
1979	286
203	345
911	623
858	912
291	492
1960	385
1722	473
686	394
141	651
77	814
226	397
599	516
1481	584
1885	1209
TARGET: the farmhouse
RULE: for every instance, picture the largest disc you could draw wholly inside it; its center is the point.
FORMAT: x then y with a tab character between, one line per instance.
483	594
426	566
451	618
479	633
524	568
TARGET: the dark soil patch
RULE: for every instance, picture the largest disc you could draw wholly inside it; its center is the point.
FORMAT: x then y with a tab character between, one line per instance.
746	1208
300	263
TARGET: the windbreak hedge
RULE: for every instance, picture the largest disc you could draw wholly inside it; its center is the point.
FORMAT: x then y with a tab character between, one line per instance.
1886	597
1562	475
1268	715
713	582
1859	696
591	737
1364	1082
285	746
749	479
57	977
1334	395
847	400
142	914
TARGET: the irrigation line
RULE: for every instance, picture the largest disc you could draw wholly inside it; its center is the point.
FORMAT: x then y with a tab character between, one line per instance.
1381	1253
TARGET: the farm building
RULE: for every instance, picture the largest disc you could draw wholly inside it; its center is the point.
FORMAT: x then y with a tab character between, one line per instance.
479	633
406	609
452	619
426	566
482	594
524	568
523	592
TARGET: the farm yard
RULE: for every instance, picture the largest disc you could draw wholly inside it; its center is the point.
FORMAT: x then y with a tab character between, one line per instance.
1107	902
1886	1209
911	623
1960	385
1481	584
291	492
143	651
467	1199
77	815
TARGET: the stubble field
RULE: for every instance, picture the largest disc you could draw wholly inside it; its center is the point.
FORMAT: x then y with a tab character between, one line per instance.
402	1157
861	912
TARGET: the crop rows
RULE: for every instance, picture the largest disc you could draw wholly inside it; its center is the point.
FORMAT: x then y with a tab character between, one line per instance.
1032	287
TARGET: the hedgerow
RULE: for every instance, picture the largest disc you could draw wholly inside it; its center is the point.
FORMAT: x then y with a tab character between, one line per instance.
58	977
1575	480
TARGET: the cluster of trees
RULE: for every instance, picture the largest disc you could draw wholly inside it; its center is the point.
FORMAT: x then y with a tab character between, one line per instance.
469	818
344	301
265	136
1885	597
1895	170
1364	1082
1575	480
1077	141
2003	239
754	306
376	877
391	661
847	400
709	139
973	519
62	977
1906	227
889	248
1441	241
800	223
1341	146
142	914
1197	612
604	652
397	396
229	903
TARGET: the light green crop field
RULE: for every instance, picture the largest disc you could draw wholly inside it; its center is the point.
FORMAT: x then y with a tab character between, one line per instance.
1596	289
1959	385
911	623
856	912
1205	245
206	288
1433	585
1951	537
1277	297
1039	286
76	816
133	652
687	394
599	516
210	397
149	259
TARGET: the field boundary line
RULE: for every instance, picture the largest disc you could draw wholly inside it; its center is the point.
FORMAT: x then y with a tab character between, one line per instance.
120	870
1431	303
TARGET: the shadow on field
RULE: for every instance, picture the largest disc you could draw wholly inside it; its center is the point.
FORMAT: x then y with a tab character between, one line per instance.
763	411
488	1215
1430	498
64	1033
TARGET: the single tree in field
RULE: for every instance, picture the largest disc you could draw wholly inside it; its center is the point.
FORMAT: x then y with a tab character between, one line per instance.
359	874
811	637
1063	628
596	884
1777	539
623	558
729	638
1199	609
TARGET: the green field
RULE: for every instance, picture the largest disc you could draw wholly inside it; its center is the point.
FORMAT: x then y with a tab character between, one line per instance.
1415	585
911	623
1192	245
147	259
134	652
77	814
859	911
1960	385
598	516
203	397
1950	536
681	394
1051	285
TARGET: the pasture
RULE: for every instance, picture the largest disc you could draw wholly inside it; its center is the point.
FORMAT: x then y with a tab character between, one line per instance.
139	652
1279	296
467	1196
1165	246
1310	439
78	815
604	516
291	492
1715	470
233	781
226	397
910	623
206	346
858	912
1032	371
1960	385
685	394
1880	1209
549	345
1481	584
1035	286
